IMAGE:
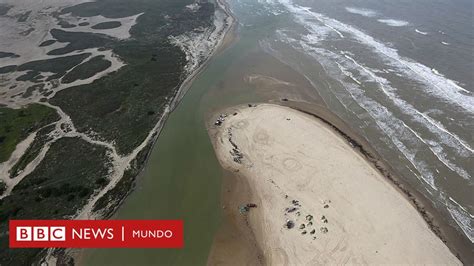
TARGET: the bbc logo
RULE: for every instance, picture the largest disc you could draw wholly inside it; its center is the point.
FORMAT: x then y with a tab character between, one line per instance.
41	233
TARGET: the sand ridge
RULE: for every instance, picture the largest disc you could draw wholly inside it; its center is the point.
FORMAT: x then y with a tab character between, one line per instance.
343	210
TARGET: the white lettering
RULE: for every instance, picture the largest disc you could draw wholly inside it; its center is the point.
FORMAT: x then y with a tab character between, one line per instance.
57	233
40	233
152	234
23	233
76	234
91	233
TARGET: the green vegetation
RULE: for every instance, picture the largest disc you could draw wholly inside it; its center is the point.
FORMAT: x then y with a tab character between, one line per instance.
65	25
112	199
71	171
58	65
17	124
47	43
29	76
155	24
29	91
7	69
77	41
6	54
107	25
87	69
125	105
23	17
33	150
3	187
54	65
27	32
4	8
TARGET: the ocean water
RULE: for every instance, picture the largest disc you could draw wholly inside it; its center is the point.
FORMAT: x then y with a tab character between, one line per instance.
400	72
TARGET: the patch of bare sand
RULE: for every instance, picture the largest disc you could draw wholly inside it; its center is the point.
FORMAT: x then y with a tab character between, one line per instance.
288	155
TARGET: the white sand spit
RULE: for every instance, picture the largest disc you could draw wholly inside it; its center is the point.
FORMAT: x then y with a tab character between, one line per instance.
290	156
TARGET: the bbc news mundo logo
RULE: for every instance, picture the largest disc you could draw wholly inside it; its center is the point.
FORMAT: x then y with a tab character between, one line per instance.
96	234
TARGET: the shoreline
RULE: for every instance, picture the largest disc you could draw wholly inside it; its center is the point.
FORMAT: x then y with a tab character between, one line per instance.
227	38
235	237
452	238
446	233
180	93
224	42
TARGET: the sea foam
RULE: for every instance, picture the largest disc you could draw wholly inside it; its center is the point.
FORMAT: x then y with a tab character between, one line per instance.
421	32
463	218
394	22
362	11
435	84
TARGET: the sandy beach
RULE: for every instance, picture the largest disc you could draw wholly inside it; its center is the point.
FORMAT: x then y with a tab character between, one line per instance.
318	200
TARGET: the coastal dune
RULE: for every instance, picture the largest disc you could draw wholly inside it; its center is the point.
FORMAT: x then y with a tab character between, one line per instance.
318	200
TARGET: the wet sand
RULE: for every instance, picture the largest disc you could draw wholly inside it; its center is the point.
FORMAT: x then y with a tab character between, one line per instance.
379	231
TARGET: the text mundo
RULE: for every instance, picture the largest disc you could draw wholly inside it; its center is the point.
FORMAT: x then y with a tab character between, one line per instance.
96	233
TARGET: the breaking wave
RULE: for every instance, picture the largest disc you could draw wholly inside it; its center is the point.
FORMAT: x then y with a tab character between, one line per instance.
463	218
421	32
435	81
421	132
362	11
437	85
394	22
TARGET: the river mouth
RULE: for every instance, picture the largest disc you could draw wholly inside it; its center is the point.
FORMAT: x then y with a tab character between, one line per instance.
183	179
